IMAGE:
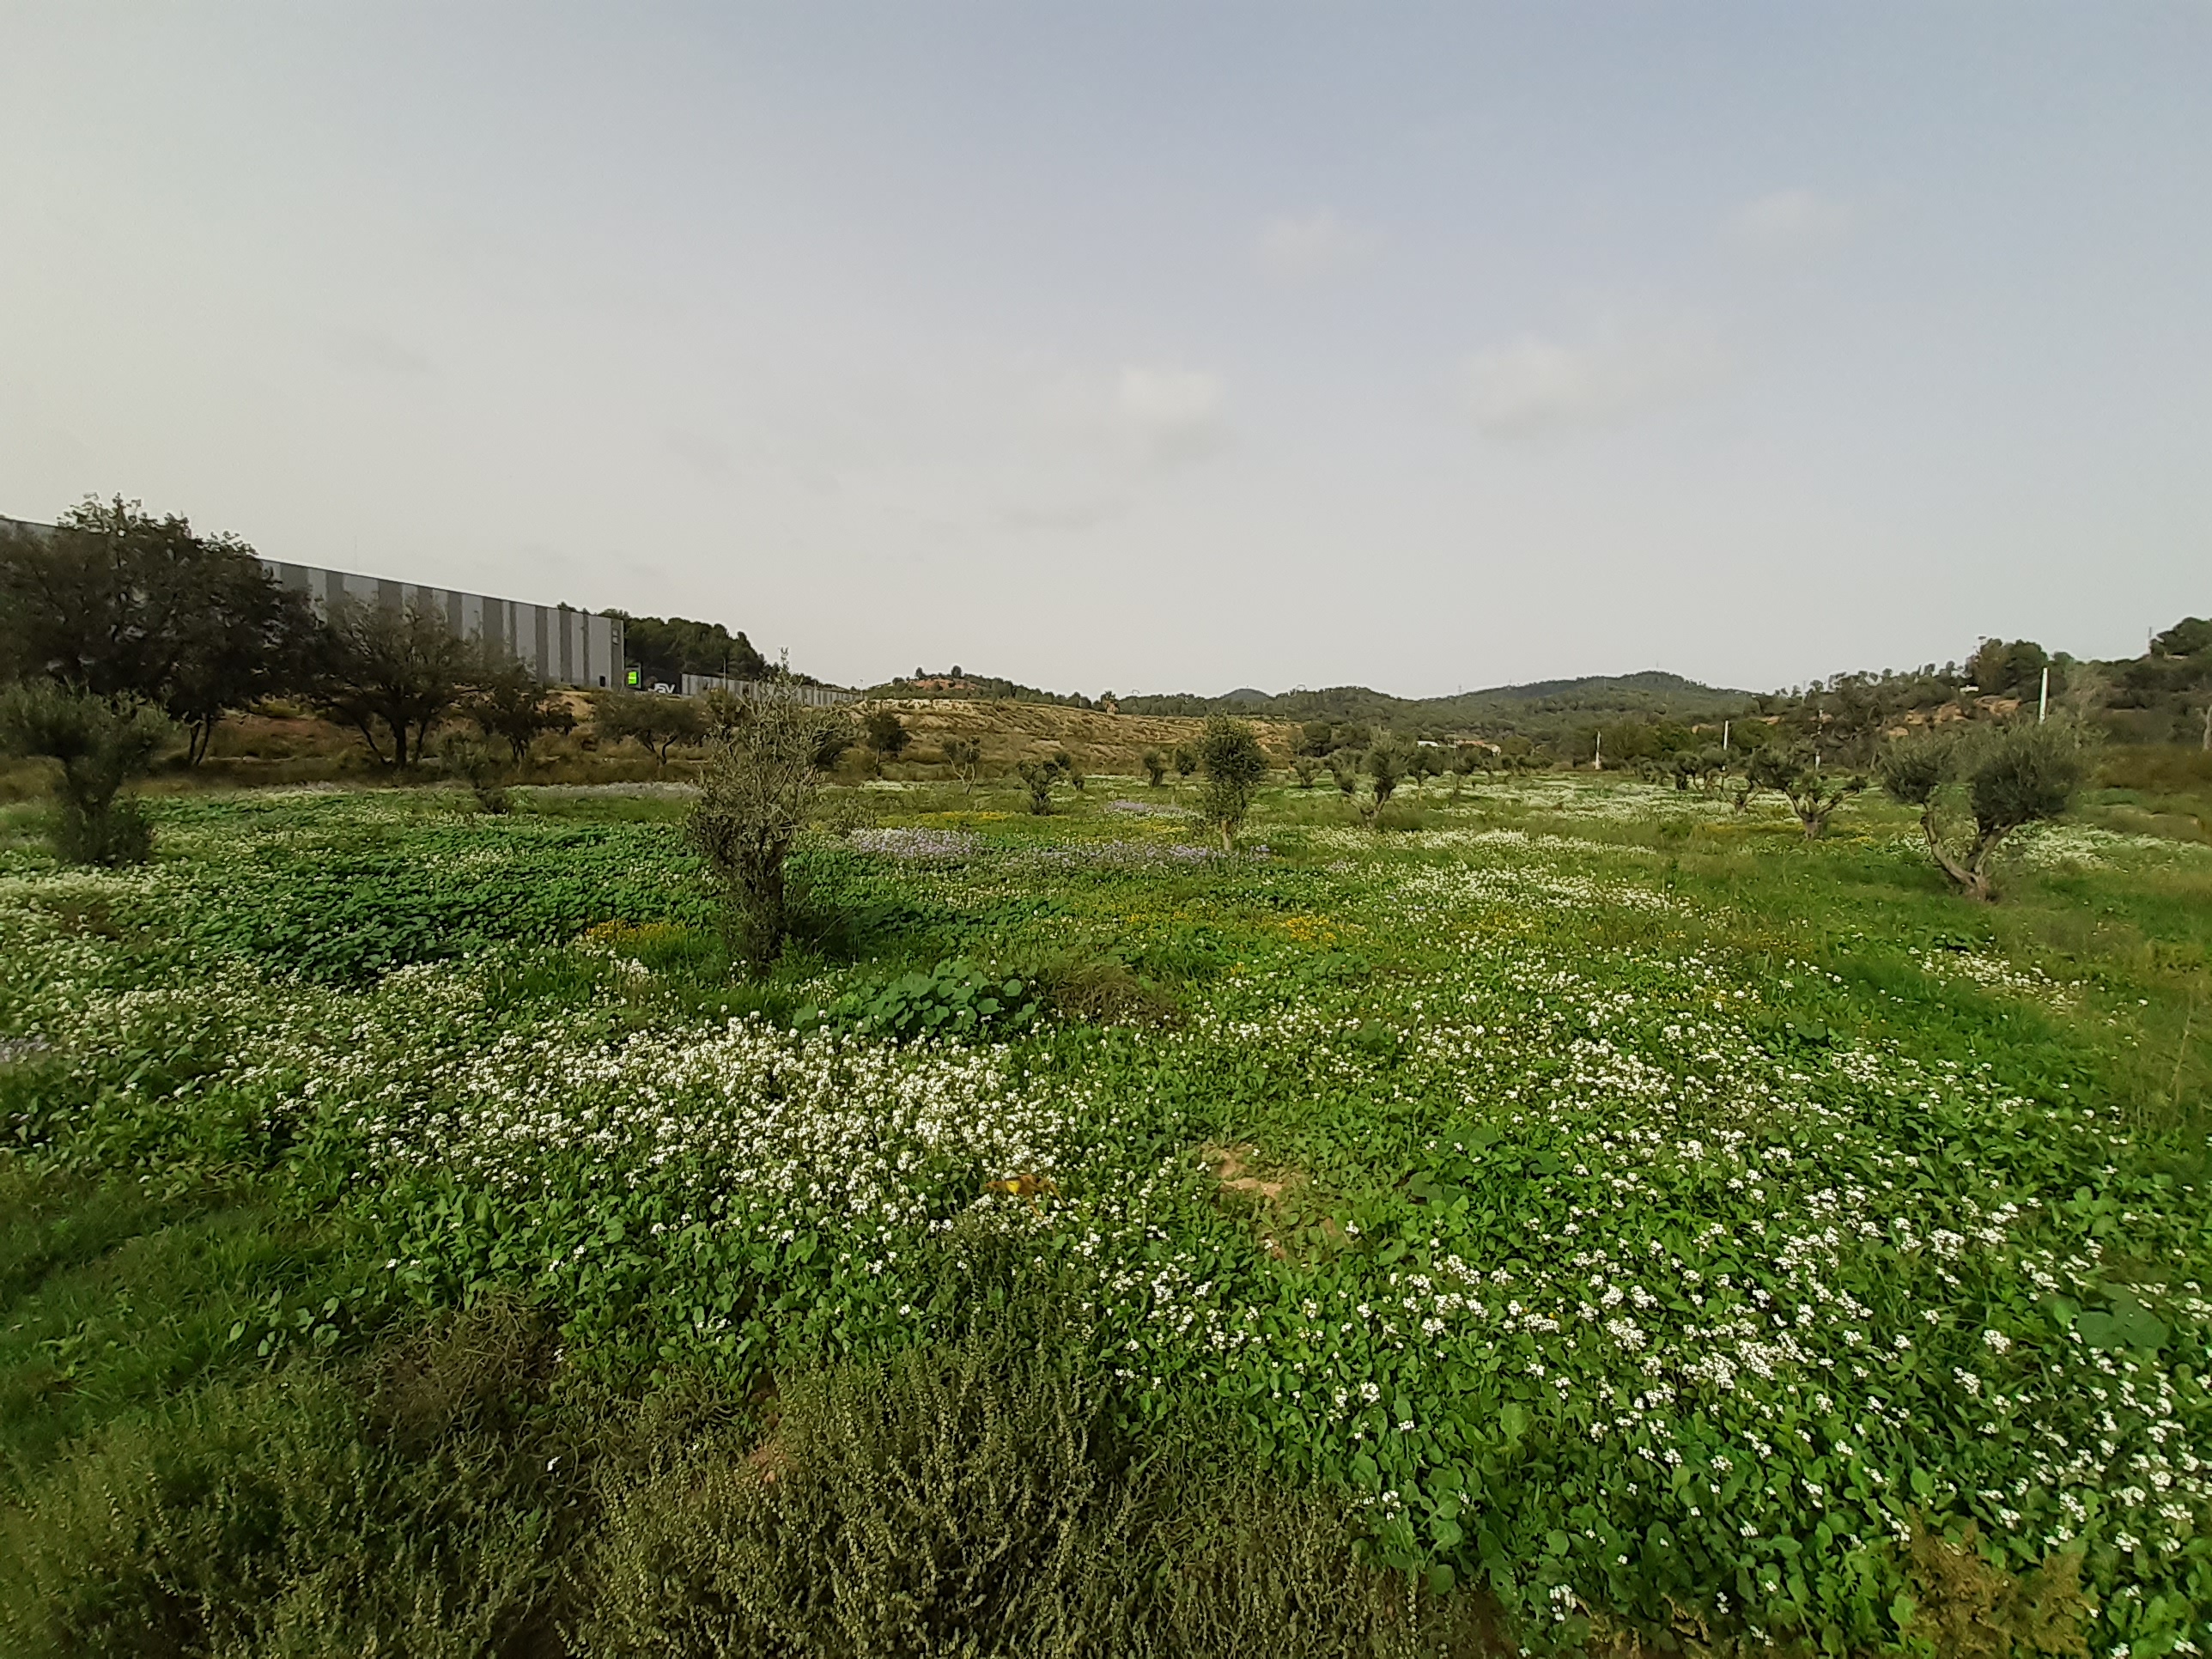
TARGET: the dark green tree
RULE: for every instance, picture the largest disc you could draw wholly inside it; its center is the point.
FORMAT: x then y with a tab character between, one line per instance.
397	670
885	733
512	706
119	602
1389	761
1155	767
652	718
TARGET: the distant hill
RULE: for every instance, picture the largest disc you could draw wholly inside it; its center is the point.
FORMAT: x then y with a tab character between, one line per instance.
1540	710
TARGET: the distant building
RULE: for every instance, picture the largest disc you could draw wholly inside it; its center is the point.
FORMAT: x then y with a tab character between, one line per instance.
560	645
818	697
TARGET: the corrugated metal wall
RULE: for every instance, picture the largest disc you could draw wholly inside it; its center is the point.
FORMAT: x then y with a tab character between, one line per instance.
817	697
561	645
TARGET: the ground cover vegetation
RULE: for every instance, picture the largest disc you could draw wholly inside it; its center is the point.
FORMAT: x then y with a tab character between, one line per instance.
1568	1211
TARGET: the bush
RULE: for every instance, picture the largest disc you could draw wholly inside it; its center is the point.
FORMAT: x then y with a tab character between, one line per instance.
271	1518
1155	767
976	1498
480	766
101	744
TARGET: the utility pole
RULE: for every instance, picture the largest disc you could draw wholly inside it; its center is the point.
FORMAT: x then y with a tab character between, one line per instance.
1724	743
2043	703
1597	760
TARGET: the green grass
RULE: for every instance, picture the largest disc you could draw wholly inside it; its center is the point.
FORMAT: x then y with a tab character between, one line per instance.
1596	1214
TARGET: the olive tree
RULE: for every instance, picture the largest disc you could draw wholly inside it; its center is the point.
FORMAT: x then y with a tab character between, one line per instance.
963	755
1797	776
1038	776
513	706
1389	762
2009	775
101	742
1155	767
1235	765
761	776
654	719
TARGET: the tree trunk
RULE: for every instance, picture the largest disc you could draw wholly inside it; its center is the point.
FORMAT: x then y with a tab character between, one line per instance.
1969	877
1228	836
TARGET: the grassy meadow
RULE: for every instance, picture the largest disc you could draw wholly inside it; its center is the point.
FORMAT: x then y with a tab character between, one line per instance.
1577	1216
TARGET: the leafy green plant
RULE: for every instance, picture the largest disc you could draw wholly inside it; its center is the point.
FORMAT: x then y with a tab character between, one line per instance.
956	1000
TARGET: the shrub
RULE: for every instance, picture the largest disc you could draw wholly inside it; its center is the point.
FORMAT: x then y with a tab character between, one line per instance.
1185	758
1306	769
979	1497
1235	765
953	1501
101	742
761	778
1155	767
271	1518
1106	992
479	765
1343	768
2010	776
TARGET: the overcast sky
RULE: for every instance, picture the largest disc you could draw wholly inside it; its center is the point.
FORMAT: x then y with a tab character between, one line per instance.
1148	346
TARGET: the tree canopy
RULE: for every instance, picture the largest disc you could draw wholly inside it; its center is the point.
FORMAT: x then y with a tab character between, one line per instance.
117	602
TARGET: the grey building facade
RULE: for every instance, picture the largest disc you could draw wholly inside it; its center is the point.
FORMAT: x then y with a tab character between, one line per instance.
560	645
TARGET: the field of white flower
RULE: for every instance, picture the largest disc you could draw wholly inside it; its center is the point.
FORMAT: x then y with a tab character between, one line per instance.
1653	1223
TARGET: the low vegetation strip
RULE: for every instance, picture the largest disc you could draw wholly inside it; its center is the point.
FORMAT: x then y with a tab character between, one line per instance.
1574	1221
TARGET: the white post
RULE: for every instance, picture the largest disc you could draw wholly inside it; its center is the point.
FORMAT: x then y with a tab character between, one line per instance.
1724	743
1597	760
2043	704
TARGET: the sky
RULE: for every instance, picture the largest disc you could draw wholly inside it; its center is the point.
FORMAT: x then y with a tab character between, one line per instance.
1148	346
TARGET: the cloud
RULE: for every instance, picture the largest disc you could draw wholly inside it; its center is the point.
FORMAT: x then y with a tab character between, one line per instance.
1175	414
1792	222
1532	386
1303	247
